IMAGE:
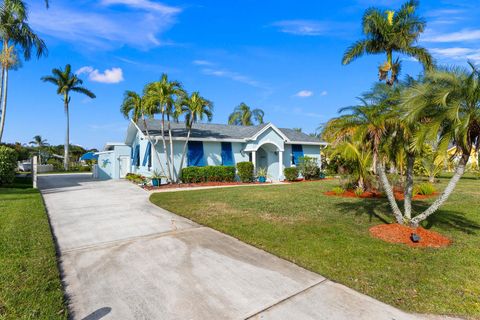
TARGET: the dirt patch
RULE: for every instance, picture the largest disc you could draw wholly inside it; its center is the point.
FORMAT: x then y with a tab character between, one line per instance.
396	233
376	194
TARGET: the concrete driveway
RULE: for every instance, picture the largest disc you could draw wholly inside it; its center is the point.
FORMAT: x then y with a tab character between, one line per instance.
124	258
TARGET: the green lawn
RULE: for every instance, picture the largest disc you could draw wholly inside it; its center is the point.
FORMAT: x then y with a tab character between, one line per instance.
30	286
329	235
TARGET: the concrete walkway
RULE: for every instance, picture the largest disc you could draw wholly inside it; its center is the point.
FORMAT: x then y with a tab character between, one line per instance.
124	258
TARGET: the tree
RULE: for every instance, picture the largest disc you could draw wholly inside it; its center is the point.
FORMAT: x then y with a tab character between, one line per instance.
67	82
194	108
389	32
243	115
40	143
161	98
448	105
16	35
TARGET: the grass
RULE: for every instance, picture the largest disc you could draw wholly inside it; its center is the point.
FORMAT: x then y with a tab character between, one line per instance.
30	286
329	235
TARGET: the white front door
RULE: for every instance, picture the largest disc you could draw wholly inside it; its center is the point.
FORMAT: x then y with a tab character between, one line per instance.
124	166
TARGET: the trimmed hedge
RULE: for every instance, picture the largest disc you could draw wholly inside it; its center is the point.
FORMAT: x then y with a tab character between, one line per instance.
245	171
208	174
291	174
8	164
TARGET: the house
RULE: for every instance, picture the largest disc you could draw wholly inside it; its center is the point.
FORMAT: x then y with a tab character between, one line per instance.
265	145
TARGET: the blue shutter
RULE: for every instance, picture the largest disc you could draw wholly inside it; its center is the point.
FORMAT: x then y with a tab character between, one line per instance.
195	154
136	156
227	154
297	153
146	157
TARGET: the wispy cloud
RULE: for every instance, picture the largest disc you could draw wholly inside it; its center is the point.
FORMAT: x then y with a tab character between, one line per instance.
235	76
114	75
457	53
324	93
458	36
300	112
102	27
202	63
304	94
312	27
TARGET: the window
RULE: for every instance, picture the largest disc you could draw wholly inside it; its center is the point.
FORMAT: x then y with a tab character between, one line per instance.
195	154
297	153
147	158
227	154
136	156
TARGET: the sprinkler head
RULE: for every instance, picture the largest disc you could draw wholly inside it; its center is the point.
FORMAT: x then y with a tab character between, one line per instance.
415	237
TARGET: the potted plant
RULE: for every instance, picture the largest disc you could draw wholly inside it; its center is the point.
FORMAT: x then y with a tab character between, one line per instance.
262	175
156	178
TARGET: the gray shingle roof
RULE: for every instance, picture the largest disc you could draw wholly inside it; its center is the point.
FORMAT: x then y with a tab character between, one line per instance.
220	131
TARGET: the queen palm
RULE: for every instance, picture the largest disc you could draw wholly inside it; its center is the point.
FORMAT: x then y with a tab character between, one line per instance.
40	143
387	32
67	82
195	108
243	115
16	35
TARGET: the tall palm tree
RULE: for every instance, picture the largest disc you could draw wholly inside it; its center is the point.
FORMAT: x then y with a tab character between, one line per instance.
67	82
40	143
451	99
194	108
243	115
16	35
160	98
388	32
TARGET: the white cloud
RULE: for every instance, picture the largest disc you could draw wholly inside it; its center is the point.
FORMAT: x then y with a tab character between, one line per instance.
459	36
202	63
302	27
457	53
235	76
114	75
103	27
304	94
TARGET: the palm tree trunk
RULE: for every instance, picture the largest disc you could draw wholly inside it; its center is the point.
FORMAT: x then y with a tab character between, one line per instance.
4	99
67	135
389	192
184	153
172	163
459	171
165	148
408	192
374	162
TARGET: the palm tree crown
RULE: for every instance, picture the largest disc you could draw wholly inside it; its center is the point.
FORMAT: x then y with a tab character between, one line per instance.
132	106
388	32
243	115
160	96
39	141
195	108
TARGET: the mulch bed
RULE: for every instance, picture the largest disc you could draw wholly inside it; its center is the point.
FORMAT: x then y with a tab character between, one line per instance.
376	194
202	184
396	233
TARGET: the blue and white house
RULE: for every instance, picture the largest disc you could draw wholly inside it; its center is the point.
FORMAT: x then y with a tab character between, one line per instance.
265	145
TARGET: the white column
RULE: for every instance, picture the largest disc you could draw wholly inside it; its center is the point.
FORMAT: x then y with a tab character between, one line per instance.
34	171
254	161
280	165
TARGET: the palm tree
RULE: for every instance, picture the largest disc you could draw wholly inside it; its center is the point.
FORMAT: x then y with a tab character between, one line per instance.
388	32
161	98
451	99
15	34
242	115
39	143
133	107
195	108
67	82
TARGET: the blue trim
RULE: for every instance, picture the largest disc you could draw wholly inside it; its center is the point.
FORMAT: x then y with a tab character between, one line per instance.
147	156
227	154
136	156
297	153
195	154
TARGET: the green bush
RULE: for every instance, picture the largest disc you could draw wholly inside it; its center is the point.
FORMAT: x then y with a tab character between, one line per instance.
135	178
338	191
245	171
208	174
8	164
424	189
57	164
291	174
309	168
359	191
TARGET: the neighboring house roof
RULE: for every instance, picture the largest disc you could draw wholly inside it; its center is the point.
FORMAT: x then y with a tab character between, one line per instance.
211	131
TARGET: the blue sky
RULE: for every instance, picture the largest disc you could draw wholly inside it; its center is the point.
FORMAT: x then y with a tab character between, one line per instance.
280	56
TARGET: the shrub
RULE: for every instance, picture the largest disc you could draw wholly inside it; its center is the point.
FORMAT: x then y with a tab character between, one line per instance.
135	178
424	189
57	164
208	174
245	171
309	168
359	191
338	190
291	174
8	164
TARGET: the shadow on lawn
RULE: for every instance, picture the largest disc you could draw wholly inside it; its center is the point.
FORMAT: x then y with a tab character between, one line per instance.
380	210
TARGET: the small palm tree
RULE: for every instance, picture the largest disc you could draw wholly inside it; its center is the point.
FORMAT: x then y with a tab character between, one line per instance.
40	143
194	108
16	35
67	82
243	115
388	32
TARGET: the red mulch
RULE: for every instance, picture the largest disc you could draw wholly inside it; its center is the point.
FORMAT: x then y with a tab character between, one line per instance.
202	184
396	233
376	194
313	180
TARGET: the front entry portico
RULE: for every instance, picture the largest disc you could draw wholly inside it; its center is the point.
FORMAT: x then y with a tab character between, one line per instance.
269	156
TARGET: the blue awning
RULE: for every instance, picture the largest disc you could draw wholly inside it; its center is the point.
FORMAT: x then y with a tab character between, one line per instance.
89	156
